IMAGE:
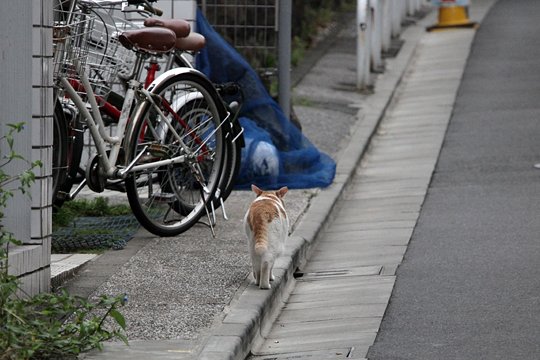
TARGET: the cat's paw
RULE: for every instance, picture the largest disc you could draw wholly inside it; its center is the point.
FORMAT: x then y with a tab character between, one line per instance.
265	286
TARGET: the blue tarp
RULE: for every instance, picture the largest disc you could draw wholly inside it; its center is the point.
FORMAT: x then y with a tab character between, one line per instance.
276	153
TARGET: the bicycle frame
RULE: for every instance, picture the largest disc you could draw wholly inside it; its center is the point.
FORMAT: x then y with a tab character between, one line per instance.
101	138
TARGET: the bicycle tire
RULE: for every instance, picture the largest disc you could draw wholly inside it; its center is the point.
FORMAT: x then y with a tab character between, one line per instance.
59	153
169	200
71	154
231	162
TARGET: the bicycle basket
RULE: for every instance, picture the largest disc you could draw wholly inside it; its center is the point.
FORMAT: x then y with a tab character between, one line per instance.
71	30
89	37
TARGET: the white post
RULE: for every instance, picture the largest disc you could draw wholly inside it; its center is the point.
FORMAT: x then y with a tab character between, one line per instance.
411	7
403	9
396	17
376	35
363	43
386	31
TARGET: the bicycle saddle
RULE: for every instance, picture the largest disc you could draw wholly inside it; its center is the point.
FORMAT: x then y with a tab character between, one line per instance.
180	27
193	42
152	40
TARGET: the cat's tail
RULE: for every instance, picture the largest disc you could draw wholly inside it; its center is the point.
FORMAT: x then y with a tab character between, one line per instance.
261	248
261	234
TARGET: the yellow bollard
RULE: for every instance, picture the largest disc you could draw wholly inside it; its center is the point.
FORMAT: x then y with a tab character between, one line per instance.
452	14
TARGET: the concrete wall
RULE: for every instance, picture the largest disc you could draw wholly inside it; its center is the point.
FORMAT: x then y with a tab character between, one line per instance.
26	77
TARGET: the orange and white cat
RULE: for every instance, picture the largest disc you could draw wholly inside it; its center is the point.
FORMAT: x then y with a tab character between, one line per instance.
267	228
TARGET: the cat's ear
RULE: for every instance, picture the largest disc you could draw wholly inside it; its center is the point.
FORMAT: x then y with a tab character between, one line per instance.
281	192
256	190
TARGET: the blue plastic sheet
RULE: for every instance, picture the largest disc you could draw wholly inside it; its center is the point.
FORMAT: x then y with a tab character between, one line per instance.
276	152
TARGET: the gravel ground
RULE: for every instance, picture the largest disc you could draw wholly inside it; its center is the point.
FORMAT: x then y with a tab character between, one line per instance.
179	287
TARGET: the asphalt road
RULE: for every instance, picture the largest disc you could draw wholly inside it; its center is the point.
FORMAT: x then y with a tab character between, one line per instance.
469	285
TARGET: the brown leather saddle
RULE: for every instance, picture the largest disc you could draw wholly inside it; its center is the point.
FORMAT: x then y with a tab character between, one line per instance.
155	40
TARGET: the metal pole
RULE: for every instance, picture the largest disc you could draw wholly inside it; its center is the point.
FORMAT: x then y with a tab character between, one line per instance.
363	43
284	55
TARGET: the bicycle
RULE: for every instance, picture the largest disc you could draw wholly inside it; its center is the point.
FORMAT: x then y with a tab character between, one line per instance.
170	163
187	42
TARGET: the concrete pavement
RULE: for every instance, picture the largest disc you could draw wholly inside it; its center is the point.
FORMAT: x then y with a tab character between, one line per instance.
333	303
340	296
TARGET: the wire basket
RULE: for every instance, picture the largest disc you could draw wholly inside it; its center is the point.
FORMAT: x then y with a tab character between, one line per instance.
107	57
86	42
70	38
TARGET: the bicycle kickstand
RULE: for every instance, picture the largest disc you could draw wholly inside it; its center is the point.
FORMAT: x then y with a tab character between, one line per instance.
211	219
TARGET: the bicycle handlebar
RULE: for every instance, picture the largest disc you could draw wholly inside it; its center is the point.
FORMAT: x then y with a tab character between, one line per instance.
147	6
144	3
153	9
139	2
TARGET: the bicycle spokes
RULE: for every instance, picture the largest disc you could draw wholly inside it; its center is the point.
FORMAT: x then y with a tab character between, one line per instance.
173	182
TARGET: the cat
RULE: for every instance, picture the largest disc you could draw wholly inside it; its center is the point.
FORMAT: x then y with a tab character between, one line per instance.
267	227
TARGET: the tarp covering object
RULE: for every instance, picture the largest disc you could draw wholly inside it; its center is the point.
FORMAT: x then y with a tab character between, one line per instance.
276	152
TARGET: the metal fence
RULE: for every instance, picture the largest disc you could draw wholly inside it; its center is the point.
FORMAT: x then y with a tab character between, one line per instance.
250	26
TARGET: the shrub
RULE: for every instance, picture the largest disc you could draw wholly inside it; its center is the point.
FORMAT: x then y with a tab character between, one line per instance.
45	325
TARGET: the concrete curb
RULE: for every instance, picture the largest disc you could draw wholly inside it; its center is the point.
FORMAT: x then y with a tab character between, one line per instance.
243	326
65	266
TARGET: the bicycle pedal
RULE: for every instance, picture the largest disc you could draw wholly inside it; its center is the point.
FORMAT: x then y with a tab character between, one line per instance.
234	106
229	88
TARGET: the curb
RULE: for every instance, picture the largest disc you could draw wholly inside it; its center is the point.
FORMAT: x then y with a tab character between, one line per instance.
244	325
66	266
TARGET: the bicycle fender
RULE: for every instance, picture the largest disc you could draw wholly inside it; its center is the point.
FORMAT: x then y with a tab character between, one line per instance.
192	74
183	74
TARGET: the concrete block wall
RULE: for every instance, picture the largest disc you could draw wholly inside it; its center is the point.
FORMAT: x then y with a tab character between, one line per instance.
31	66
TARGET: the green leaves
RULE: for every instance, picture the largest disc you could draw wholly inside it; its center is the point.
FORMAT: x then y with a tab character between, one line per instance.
56	325
46	325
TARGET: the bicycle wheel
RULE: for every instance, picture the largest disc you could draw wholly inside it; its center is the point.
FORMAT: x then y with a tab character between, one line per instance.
59	153
234	149
169	199
67	152
231	162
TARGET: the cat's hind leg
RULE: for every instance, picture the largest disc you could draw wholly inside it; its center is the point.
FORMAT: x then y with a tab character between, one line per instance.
265	276
266	271
256	276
